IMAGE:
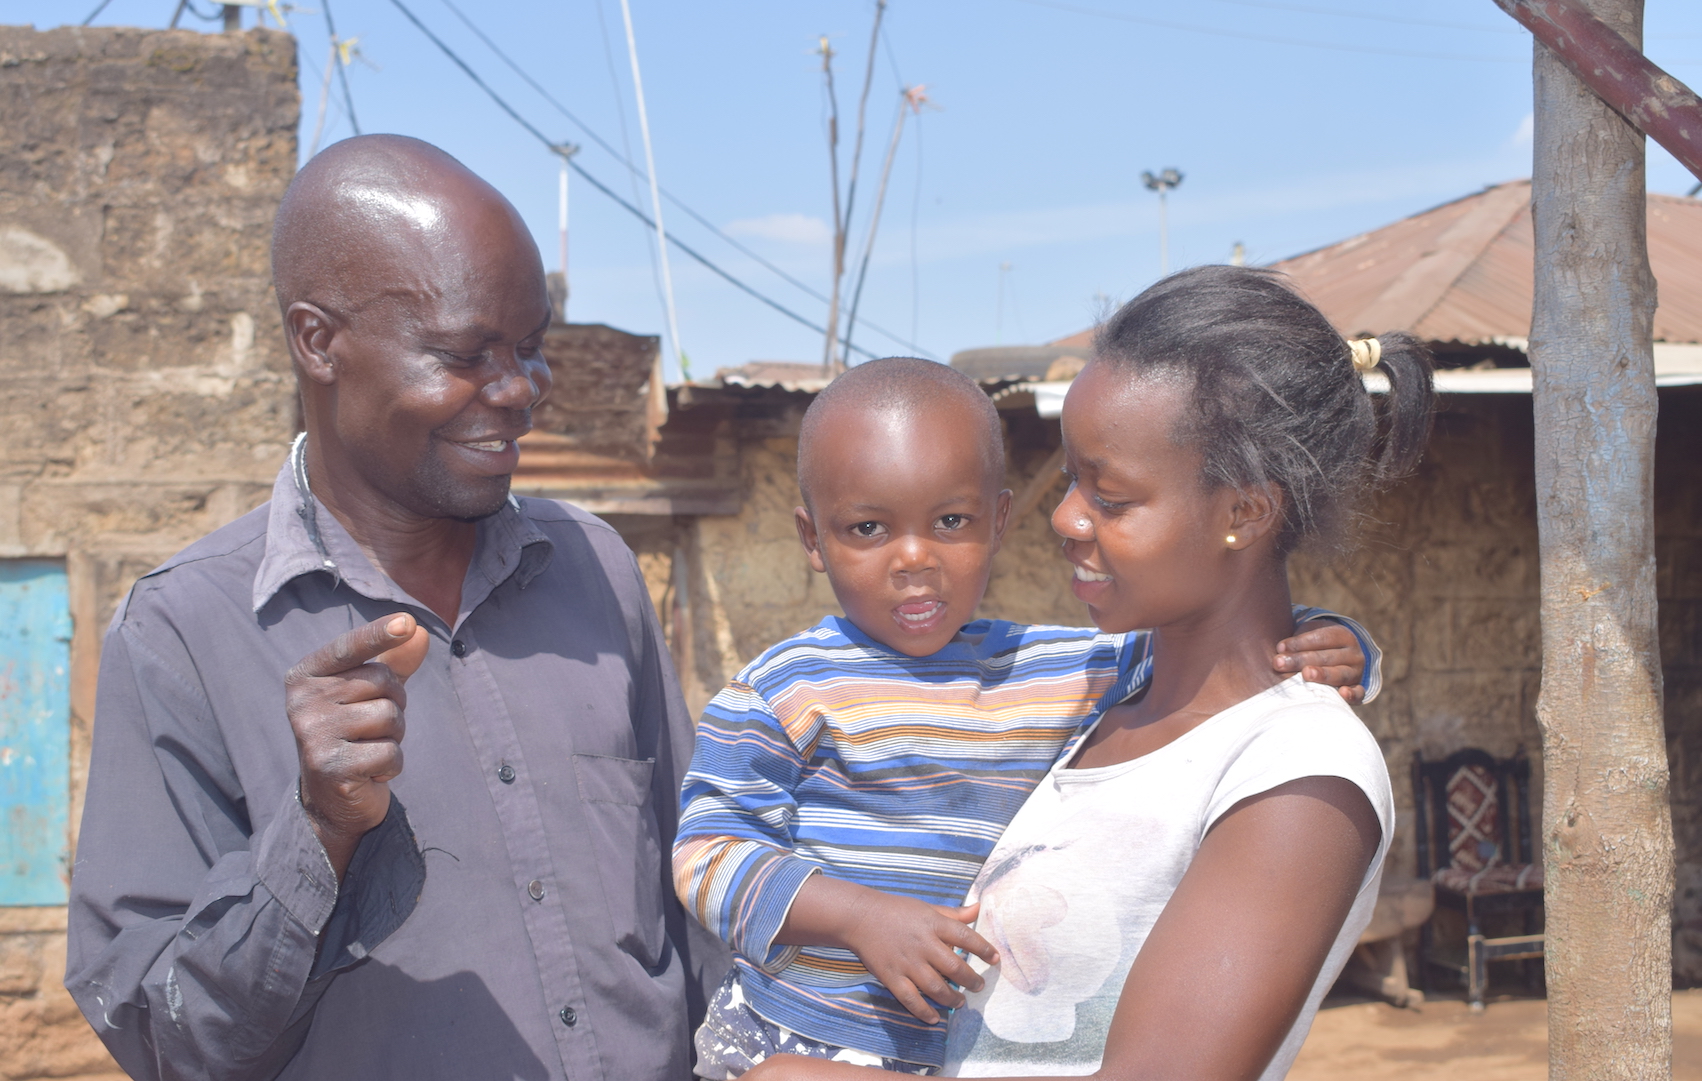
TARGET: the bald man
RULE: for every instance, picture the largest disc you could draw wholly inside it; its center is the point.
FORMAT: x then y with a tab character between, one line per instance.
265	886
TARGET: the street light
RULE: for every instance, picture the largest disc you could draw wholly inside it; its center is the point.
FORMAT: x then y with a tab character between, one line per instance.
1162	183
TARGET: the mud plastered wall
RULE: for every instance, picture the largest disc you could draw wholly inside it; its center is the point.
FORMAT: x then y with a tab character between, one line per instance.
145	395
1447	577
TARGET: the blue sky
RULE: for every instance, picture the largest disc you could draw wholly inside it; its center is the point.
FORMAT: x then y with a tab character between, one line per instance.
1295	122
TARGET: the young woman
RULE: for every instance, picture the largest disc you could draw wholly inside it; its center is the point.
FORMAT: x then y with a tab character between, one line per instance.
1177	896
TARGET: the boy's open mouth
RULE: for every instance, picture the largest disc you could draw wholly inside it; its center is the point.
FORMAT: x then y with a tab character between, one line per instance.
920	615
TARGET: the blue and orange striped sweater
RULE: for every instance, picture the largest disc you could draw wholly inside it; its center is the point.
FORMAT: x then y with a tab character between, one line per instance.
834	753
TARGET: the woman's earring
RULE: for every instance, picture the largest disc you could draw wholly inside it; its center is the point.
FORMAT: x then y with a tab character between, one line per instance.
1229	539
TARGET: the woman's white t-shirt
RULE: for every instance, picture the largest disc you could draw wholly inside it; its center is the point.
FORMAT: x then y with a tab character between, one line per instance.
1080	876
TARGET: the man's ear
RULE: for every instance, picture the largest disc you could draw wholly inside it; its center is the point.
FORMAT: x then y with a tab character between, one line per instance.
1256	513
308	330
1001	518
808	538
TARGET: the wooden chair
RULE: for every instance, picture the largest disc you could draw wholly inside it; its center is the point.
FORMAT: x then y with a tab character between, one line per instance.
1474	845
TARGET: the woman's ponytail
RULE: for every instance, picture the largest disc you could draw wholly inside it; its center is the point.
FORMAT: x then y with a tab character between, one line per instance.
1407	408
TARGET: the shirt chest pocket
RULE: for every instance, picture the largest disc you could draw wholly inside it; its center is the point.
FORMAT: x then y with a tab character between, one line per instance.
621	818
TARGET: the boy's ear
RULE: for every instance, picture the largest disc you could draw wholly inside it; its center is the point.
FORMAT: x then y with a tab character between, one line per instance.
1256	513
1001	518
808	538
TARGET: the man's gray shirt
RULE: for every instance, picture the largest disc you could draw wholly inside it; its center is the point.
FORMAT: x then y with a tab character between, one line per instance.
512	918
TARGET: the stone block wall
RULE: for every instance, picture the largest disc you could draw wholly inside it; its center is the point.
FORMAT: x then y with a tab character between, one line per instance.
1447	579
145	393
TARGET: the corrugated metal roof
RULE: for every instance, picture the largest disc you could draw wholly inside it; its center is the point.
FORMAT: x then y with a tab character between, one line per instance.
1676	365
788	375
1461	272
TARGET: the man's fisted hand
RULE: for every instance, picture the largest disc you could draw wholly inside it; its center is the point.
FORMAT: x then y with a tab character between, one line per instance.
345	703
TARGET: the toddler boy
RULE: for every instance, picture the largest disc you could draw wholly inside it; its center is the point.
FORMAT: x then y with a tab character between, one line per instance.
887	749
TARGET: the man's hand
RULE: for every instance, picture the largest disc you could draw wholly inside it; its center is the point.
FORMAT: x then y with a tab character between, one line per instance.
345	702
908	945
1326	652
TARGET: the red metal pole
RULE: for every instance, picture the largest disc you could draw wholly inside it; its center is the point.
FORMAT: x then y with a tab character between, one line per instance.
1659	105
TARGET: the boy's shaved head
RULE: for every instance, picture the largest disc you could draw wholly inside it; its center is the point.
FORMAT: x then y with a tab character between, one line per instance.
918	391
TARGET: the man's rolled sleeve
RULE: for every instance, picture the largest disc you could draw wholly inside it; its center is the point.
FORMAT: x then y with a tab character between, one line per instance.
379	889
291	863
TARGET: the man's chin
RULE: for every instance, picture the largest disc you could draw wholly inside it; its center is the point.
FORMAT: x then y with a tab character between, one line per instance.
469	502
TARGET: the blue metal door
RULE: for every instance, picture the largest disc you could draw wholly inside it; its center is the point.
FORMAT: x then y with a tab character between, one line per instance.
35	731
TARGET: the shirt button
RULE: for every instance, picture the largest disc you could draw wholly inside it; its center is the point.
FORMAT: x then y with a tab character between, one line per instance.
505	773
568	1016
536	889
458	648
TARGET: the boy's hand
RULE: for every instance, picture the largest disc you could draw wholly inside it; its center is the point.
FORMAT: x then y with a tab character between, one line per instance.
911	947
1324	651
908	945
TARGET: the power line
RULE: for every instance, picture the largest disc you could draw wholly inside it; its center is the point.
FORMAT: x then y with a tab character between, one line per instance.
598	184
342	70
1210	31
1344	14
639	175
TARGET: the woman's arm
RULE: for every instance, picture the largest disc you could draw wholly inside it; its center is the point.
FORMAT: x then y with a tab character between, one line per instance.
1230	962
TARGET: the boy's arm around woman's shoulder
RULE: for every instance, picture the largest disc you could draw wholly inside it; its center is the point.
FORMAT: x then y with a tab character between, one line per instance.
1319	650
734	868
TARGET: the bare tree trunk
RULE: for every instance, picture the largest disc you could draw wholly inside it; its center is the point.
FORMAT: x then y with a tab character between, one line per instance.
1607	827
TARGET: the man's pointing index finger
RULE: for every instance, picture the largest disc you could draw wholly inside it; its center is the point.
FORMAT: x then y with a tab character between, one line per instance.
353	648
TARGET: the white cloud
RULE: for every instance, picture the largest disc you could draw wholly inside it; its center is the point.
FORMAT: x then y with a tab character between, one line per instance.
790	228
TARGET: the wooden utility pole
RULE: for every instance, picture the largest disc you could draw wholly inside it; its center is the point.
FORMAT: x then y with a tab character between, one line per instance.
1607	827
833	361
830	345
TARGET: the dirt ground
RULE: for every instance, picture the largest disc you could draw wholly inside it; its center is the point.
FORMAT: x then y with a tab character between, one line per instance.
1370	1041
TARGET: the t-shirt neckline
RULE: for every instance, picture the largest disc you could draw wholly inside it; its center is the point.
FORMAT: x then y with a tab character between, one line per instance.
1086	774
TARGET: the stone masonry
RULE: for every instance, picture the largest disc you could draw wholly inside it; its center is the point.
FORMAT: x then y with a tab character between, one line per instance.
145	394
